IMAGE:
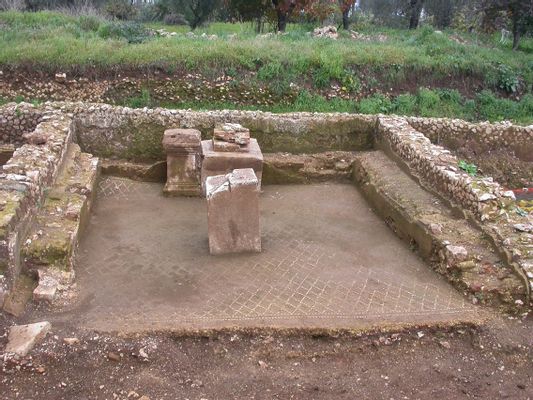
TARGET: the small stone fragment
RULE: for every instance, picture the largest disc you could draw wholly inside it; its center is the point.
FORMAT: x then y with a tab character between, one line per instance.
456	254
528	228
113	356
71	341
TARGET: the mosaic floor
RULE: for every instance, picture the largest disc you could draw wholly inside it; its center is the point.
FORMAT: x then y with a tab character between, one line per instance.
328	262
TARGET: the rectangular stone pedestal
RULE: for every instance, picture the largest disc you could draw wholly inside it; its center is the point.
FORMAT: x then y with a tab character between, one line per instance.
183	162
221	163
233	212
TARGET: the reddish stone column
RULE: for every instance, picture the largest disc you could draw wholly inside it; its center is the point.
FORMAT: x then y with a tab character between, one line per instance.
183	148
233	212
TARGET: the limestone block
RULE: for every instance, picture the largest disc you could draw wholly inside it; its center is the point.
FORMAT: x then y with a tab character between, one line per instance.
233	212
22	338
183	161
221	163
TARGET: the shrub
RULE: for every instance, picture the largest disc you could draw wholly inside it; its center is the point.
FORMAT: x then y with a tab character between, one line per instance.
120	9
131	31
376	104
508	79
175	19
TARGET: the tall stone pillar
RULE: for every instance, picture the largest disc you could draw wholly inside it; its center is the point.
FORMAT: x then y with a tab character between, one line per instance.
183	149
233	212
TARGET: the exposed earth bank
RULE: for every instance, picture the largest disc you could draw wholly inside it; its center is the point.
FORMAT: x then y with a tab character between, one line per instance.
163	86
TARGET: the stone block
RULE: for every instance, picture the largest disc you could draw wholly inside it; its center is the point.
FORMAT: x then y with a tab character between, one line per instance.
182	147
22	338
221	163
233	133
233	212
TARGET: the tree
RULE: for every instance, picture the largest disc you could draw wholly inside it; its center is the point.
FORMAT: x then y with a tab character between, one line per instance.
443	11
520	13
346	6
249	10
198	11
284	9
415	11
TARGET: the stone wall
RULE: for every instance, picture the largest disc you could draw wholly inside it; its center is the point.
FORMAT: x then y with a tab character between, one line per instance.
17	119
484	136
494	208
136	134
23	180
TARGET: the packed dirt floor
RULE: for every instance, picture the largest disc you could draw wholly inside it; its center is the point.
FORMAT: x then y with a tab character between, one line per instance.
327	261
490	362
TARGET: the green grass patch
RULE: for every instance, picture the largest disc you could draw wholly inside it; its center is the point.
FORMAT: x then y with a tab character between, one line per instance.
57	41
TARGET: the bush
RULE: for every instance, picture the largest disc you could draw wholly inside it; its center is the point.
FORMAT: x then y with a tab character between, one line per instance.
376	104
120	9
508	79
133	32
175	19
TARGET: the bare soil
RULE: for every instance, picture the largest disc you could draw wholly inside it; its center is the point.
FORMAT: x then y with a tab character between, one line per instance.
503	165
491	362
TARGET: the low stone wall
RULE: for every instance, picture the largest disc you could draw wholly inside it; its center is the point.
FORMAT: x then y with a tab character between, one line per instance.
23	180
482	137
17	119
136	134
493	207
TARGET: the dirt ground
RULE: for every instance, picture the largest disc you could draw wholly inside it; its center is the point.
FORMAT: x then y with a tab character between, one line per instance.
494	361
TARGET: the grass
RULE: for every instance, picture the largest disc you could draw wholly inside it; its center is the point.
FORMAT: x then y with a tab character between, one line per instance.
52	41
59	41
425	102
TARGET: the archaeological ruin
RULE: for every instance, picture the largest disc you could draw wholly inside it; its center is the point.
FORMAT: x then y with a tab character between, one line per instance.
344	220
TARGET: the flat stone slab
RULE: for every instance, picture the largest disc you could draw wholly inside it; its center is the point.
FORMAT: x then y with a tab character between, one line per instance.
22	338
327	262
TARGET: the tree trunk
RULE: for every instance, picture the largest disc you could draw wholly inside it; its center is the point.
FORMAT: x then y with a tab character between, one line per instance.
283	13
516	32
346	19
416	10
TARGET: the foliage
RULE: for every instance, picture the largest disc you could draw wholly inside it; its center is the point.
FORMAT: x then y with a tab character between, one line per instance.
133	32
196	12
470	169
175	19
508	79
120	9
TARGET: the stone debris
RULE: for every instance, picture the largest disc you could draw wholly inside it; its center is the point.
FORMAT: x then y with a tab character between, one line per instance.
48	286
232	133
233	212
368	38
456	254
329	32
524	227
61	77
22	338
